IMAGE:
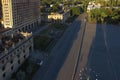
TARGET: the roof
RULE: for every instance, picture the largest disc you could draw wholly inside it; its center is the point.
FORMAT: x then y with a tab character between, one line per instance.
2	30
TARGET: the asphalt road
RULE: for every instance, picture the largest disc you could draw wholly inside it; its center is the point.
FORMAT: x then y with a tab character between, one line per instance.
105	53
85	51
100	54
66	48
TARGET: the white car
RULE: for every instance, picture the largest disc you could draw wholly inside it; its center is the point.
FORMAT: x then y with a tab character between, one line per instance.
40	63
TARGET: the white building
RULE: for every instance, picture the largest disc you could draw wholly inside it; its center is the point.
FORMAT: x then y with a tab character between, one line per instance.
14	50
59	17
92	5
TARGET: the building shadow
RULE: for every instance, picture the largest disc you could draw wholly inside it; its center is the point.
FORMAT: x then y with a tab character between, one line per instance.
104	53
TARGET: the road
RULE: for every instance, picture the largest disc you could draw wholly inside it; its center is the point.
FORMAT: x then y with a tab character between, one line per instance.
63	49
85	51
100	53
85	48
105	53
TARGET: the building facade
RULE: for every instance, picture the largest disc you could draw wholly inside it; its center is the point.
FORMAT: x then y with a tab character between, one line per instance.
59	17
14	50
0	10
21	14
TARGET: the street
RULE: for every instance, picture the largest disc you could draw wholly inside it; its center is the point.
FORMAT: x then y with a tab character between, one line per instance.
60	52
85	51
105	53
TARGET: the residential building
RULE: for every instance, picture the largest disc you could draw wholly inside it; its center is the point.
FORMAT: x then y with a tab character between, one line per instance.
14	50
21	15
59	17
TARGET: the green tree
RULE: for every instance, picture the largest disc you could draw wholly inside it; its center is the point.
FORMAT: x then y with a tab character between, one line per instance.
29	69
75	11
85	4
103	16
21	75
55	7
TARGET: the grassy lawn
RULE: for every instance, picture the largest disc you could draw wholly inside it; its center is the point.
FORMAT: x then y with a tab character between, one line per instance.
41	42
45	37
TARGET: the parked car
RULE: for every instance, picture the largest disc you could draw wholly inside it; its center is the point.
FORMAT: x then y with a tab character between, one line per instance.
40	63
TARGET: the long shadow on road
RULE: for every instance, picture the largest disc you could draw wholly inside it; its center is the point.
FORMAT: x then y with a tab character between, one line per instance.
50	69
104	55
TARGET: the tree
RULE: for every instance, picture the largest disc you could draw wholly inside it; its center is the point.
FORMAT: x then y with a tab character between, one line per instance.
29	69
21	75
55	7
75	11
85	4
103	16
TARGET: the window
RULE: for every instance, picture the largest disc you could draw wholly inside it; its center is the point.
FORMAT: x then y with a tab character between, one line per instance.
7	24
24	56
11	61
18	50
5	4
18	61
11	55
23	51
4	75
18	55
7	18
3	68
11	67
3	61
7	58
15	53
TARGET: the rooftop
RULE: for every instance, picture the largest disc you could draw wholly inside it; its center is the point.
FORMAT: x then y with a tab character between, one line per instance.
2	30
6	42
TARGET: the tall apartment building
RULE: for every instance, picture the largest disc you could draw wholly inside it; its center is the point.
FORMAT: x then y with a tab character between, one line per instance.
21	14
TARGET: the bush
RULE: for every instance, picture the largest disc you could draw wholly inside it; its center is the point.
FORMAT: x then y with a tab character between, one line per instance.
75	11
59	26
103	15
41	42
21	75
